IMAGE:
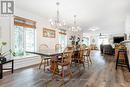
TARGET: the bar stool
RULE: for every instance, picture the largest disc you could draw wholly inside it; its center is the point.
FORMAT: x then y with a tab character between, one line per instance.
119	63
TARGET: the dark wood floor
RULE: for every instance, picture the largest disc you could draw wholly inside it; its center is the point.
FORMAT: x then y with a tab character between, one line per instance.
101	73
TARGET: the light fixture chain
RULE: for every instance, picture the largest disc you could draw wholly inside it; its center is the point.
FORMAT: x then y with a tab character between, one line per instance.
58	12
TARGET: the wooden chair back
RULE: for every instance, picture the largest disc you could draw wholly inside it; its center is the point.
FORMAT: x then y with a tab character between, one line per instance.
69	48
58	46
88	51
43	47
81	53
67	54
84	45
117	47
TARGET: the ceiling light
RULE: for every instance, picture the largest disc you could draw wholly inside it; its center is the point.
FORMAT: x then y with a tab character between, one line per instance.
57	23
93	28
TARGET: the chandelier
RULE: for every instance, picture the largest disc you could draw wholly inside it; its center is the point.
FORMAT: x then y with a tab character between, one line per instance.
57	23
75	27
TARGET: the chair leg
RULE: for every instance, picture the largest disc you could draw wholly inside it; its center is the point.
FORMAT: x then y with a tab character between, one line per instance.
75	63
40	64
84	57
62	76
70	73
90	60
84	65
87	61
79	66
53	72
44	65
47	62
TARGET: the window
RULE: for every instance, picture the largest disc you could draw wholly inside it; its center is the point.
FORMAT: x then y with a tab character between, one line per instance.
86	41
63	39
24	36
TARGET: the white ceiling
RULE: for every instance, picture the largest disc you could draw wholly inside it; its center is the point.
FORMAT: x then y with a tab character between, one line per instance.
98	13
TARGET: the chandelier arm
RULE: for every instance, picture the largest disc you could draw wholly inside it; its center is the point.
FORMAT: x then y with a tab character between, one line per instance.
57	23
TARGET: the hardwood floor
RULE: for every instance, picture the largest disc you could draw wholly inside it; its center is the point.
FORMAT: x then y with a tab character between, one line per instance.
101	73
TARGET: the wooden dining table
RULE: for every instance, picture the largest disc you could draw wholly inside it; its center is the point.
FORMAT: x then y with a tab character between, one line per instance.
51	53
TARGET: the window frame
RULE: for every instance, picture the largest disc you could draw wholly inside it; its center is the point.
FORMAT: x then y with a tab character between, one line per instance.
86	37
24	26
33	39
59	41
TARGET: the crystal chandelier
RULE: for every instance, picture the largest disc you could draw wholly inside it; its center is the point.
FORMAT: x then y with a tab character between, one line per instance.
57	23
75	27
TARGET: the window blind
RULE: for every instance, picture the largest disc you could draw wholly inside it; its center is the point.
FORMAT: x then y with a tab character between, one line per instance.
19	21
62	32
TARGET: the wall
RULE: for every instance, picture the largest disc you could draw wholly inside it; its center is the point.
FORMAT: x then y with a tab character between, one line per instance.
5	31
127	26
127	31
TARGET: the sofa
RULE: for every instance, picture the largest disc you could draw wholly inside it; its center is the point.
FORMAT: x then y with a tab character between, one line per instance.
107	49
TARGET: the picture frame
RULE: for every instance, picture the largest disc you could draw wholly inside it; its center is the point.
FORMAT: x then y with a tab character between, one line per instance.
49	33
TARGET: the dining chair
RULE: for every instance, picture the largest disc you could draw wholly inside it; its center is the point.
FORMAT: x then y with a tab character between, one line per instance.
84	45
65	62
43	48
87	56
80	58
58	46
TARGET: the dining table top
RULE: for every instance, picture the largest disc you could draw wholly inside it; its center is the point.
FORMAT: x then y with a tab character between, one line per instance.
50	52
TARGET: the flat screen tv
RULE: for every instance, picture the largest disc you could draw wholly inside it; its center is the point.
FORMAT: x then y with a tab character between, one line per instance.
118	39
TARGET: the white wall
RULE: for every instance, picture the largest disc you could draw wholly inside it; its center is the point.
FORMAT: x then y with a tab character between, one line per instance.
127	31
5	30
127	26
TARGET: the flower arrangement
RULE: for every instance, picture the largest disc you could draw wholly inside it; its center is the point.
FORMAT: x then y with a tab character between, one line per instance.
4	54
74	40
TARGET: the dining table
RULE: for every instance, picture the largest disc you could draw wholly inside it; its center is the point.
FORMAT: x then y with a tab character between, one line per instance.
53	54
50	53
47	53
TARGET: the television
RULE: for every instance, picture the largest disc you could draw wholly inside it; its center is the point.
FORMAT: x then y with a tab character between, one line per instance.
118	39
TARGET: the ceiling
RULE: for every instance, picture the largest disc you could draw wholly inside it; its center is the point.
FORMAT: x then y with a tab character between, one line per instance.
97	13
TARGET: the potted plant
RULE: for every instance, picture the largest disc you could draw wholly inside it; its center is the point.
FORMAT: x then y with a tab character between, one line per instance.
4	54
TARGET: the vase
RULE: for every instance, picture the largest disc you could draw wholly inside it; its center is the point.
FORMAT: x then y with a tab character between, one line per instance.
73	42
